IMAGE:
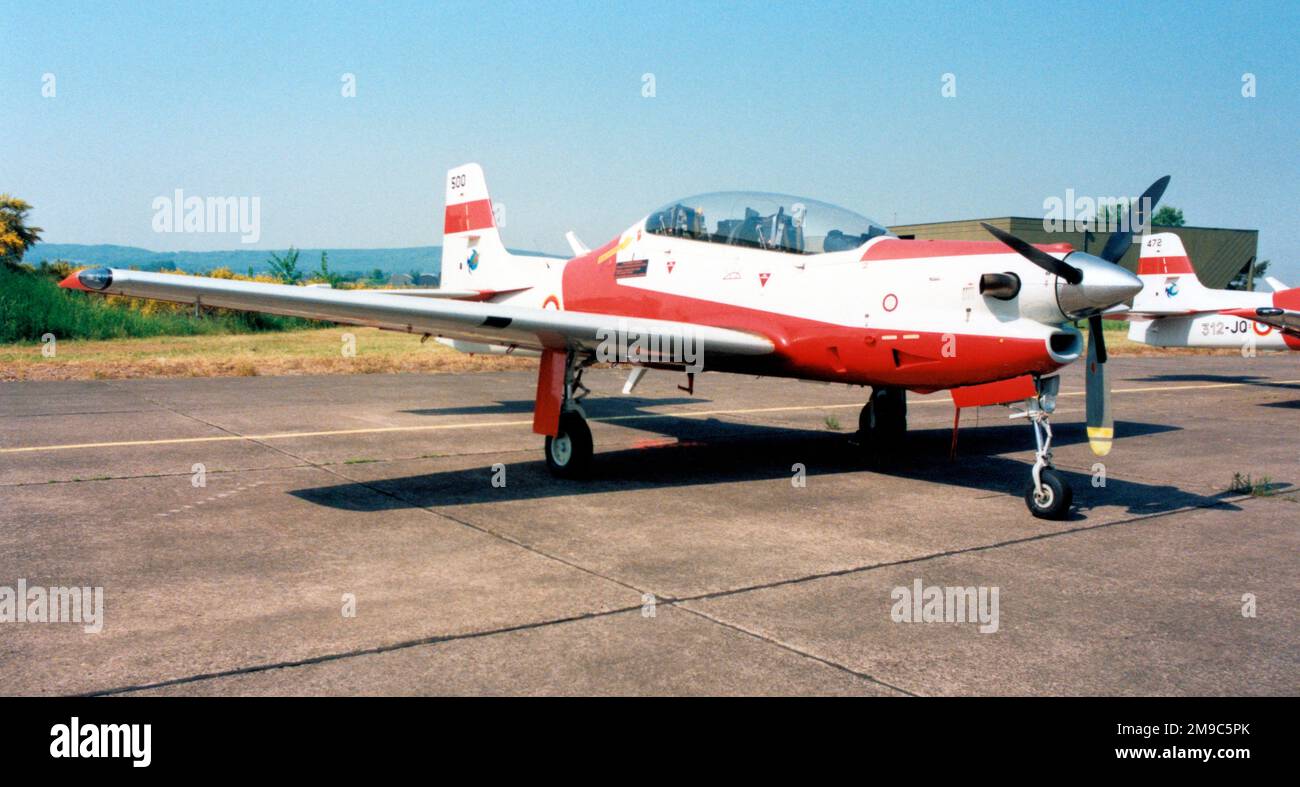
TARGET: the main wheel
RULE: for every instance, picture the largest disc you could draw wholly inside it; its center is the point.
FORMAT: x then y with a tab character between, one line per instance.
568	454
883	421
1054	501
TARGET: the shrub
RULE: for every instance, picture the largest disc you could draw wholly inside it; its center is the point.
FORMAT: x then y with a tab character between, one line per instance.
32	304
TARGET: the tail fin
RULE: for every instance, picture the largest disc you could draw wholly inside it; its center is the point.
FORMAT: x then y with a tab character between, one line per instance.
473	256
1170	283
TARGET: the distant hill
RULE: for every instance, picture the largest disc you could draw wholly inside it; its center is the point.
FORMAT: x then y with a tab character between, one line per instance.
425	259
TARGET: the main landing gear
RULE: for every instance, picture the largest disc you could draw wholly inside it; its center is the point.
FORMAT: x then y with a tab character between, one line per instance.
568	453
883	420
1048	496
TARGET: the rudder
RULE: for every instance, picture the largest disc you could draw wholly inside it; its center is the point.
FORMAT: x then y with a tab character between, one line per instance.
473	256
1168	278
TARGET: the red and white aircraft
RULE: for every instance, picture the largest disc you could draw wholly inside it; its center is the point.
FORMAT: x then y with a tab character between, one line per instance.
1175	310
757	284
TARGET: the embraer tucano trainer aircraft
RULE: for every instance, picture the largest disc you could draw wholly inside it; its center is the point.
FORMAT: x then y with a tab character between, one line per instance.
758	284
1175	310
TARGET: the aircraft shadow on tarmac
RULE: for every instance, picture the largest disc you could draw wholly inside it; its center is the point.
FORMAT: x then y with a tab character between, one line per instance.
686	452
1290	404
1241	379
595	407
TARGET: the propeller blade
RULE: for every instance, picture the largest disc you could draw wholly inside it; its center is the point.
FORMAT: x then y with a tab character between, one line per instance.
1119	242
1037	256
1094	330
1101	423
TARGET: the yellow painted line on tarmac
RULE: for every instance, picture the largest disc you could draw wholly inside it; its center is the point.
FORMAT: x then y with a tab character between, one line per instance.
1157	388
526	422
273	436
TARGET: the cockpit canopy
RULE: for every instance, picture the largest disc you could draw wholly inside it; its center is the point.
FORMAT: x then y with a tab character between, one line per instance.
776	222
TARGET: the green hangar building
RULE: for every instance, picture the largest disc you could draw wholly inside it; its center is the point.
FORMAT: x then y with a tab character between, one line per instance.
1216	254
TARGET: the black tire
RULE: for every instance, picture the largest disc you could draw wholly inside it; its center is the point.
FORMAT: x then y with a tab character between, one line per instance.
883	421
1055	503
568	454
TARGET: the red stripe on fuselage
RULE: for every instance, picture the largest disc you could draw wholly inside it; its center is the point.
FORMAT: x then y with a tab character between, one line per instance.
810	349
467	216
907	249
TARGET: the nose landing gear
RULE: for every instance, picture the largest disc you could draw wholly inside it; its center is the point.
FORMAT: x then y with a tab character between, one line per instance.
1048	496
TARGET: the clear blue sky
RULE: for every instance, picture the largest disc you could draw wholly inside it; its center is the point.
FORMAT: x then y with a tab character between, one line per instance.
835	101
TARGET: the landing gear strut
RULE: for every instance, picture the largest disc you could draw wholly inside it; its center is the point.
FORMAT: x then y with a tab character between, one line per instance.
1048	496
568	453
883	420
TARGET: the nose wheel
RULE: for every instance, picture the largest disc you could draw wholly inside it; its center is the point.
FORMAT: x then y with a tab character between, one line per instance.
1048	496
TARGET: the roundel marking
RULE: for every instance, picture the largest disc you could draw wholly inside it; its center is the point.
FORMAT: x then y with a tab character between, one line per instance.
890	302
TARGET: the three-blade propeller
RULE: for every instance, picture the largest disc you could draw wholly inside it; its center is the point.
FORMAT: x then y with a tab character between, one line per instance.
1036	255
1101	422
1138	216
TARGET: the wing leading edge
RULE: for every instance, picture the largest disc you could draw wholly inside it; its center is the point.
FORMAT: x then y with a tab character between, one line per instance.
1285	320
488	323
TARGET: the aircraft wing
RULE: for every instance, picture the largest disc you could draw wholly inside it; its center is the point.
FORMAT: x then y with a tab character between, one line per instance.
1285	320
489	323
1151	314
458	295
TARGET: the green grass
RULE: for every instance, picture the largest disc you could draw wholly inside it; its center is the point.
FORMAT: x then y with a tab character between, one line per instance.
32	305
1244	484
